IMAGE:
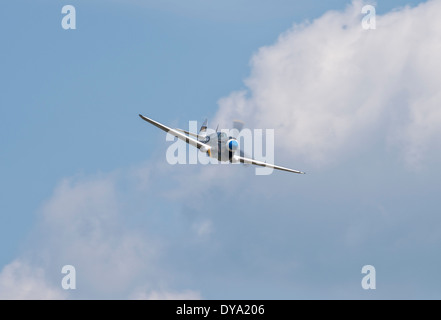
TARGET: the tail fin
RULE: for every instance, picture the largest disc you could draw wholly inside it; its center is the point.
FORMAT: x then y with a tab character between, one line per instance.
203	128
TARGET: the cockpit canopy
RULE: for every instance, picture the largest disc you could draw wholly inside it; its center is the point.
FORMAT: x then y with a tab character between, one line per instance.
222	136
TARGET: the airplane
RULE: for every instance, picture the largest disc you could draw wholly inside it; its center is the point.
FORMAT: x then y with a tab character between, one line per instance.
217	145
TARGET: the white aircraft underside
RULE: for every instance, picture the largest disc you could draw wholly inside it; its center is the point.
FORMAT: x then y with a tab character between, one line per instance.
216	145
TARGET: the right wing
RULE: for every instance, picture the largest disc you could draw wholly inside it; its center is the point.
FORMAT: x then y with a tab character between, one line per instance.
195	143
263	164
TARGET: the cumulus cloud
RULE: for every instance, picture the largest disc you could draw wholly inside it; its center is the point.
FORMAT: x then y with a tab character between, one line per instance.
331	88
84	224
19	280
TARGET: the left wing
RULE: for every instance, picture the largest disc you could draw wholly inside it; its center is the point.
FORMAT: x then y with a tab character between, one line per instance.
190	133
263	164
202	146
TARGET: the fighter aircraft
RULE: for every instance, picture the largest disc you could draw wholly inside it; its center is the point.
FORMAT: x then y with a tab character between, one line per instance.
216	145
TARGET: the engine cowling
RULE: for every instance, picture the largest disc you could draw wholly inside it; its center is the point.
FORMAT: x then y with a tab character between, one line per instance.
232	145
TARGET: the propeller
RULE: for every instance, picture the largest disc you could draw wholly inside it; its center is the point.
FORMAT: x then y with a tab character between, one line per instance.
237	124
237	128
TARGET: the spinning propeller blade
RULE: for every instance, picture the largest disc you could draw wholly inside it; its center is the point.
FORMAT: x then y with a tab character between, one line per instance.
237	124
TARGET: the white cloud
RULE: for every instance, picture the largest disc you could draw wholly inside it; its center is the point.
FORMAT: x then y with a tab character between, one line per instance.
331	88
19	281
84	225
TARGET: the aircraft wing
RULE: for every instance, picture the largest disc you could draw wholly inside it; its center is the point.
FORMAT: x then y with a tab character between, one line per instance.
263	164
190	133
202	146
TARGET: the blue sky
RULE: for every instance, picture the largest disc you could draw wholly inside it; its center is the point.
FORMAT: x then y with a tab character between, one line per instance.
74	150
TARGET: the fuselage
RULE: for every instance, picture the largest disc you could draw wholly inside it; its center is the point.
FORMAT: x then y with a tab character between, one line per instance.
222	146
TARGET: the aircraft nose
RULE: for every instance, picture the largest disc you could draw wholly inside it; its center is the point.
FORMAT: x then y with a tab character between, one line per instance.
232	144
